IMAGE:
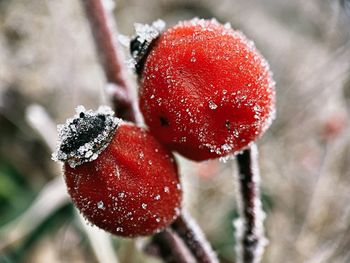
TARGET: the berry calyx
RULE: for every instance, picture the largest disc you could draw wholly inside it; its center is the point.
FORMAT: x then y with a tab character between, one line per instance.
205	90
86	135
142	42
130	187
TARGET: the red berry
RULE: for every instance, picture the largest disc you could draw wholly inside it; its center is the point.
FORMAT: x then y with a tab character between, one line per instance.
130	187
205	90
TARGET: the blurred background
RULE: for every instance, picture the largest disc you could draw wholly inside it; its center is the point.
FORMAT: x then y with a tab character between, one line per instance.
48	66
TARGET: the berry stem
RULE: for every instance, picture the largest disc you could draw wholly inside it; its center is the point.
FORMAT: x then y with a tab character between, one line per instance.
192	235
250	238
170	249
103	30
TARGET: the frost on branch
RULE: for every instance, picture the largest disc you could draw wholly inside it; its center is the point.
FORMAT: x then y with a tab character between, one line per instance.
83	137
250	237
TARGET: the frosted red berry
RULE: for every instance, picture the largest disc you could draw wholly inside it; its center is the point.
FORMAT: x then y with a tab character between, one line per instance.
205	90
127	183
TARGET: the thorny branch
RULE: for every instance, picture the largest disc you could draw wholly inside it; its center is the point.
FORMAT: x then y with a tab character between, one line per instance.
249	227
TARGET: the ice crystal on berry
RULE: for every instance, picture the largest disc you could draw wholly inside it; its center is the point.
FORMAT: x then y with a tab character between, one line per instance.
211	85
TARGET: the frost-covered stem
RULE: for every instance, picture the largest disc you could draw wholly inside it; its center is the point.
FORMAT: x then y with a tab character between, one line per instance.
104	32
250	237
192	235
169	248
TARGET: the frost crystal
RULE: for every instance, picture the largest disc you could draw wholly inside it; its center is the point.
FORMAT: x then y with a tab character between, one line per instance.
117	172
226	147
212	105
83	137
149	32
100	205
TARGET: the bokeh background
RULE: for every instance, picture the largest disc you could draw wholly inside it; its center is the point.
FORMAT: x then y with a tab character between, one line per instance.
48	66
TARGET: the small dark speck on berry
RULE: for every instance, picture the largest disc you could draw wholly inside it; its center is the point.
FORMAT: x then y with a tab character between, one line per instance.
228	125
163	121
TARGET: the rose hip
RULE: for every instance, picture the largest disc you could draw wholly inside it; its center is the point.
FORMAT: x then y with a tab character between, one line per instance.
205	90
118	175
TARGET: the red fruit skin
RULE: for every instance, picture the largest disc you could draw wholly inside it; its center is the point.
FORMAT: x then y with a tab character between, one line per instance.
205	91
131	189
